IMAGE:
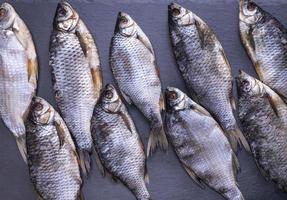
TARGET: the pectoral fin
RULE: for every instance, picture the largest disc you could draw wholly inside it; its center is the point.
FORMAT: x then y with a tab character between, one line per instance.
97	80
60	131
91	53
194	177
24	37
33	71
144	40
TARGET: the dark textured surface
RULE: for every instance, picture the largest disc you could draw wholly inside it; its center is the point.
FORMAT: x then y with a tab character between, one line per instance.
168	181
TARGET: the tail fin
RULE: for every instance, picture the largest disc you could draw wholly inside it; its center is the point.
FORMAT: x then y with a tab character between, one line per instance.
85	161
236	137
157	137
21	143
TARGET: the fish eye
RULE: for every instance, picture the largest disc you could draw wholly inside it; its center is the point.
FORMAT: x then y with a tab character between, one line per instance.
38	106
175	12
2	12
123	20
172	95
109	94
251	6
62	11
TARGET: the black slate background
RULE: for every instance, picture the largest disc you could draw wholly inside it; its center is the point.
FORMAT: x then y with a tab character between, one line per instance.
168	181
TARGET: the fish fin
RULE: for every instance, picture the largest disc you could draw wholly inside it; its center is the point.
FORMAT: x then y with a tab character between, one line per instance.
236	137
200	34
97	80
25	38
92	55
250	39
235	165
33	72
273	103
61	132
126	97
146	177
194	177
99	163
262	171
233	104
127	120
21	143
157	137
161	102
80	196
38	197
141	36
199	109
85	161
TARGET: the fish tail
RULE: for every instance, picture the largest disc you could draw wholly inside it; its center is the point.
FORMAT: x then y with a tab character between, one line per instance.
21	143
84	161
157	137
236	137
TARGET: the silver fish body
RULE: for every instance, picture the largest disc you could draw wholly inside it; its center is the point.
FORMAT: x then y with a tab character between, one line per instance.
52	158
265	40
262	114
134	67
18	77
204	68
201	146
118	144
76	76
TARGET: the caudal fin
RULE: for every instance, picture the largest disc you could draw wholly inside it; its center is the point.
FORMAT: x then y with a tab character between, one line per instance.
157	138
21	143
85	161
236	138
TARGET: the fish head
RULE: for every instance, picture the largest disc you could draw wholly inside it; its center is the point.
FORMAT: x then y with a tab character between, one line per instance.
249	12
248	85
175	99
110	100
178	101
179	15
66	18
41	111
7	16
125	25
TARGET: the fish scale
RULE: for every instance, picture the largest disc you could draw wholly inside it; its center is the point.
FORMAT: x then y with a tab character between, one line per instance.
52	158
134	67
118	144
204	68
265	40
74	83
18	73
262	114
201	145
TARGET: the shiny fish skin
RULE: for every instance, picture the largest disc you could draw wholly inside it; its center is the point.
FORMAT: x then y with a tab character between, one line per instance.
205	68
18	77
52	158
118	144
200	144
134	67
76	76
265	40
262	114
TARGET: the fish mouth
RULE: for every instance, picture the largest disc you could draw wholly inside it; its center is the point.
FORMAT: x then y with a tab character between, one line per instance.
109	86
64	11
171	94
174	9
